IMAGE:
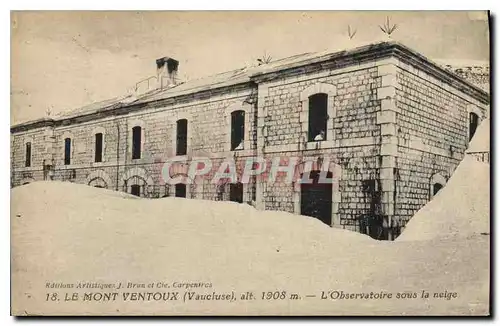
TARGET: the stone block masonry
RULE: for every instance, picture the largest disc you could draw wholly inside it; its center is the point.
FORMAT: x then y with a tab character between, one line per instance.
433	134
351	144
393	128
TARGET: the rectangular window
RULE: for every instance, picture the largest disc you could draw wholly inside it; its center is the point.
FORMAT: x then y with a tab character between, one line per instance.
67	151
98	147
237	130
28	154
473	123
182	137
136	142
318	117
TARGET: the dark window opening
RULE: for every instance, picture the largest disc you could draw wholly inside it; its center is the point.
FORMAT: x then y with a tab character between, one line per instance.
182	126
436	187
237	130
98	147
67	151
136	142
180	190
473	122
135	190
236	192
28	154
318	117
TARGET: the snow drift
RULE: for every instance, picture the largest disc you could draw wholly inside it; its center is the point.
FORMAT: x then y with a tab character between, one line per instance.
64	232
461	208
481	140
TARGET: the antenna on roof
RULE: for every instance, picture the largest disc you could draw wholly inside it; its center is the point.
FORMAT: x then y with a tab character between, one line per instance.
351	33
266	58
388	28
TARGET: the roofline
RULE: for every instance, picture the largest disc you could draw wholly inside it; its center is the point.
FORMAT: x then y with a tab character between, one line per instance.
365	53
411	57
125	108
33	124
376	51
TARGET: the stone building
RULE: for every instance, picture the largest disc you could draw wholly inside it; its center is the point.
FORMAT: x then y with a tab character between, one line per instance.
388	124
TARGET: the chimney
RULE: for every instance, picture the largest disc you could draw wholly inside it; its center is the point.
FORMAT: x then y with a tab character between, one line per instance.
166	72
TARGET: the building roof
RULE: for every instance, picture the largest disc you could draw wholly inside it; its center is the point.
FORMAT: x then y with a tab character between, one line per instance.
228	78
247	74
93	107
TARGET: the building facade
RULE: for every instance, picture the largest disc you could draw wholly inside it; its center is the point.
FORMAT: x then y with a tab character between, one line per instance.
389	125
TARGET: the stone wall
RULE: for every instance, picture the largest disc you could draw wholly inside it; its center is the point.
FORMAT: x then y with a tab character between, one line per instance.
396	124
353	137
432	128
41	151
208	136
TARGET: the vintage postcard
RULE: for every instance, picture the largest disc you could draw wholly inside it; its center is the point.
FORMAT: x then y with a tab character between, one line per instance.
250	163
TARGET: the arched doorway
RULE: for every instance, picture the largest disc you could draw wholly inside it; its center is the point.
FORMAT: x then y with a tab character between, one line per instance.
437	182
435	188
99	179
182	184
316	197
136	186
136	181
98	182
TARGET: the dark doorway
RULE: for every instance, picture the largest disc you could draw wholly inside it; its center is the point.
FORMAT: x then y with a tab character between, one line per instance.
180	190
316	198
135	190
236	192
436	187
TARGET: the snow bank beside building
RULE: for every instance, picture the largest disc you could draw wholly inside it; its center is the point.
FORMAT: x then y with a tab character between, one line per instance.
481	140
479	146
69	233
461	208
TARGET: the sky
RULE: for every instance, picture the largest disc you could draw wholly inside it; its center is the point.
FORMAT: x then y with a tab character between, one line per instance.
65	60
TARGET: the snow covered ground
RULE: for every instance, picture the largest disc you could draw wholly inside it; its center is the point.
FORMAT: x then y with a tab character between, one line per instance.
460	209
63	232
